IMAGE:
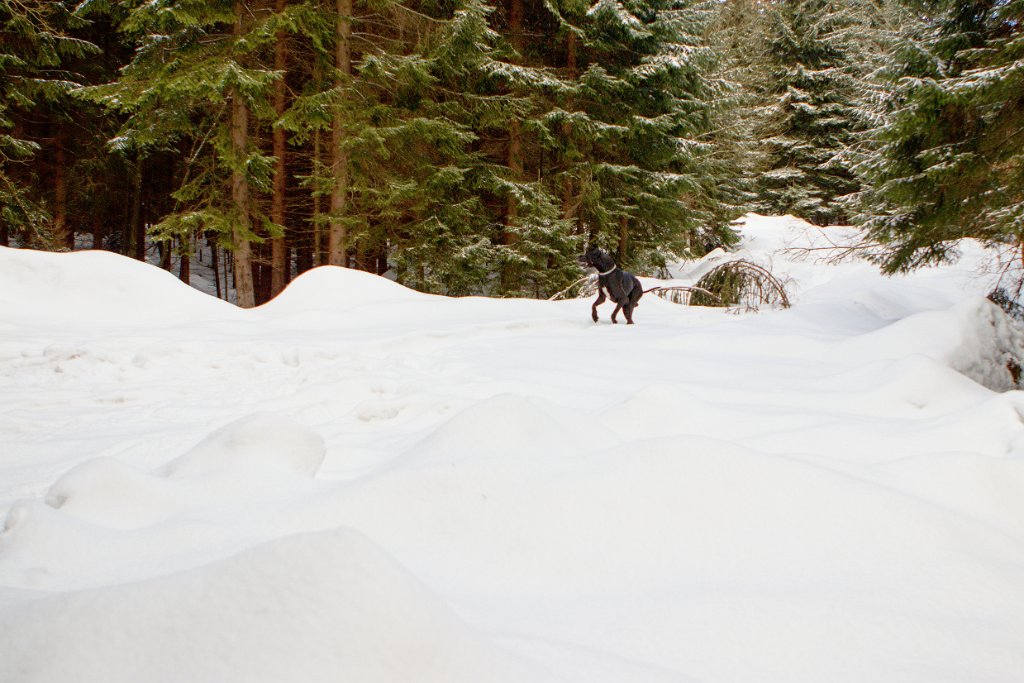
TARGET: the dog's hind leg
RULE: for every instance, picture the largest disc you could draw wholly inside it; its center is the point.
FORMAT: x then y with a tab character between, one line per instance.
634	300
600	300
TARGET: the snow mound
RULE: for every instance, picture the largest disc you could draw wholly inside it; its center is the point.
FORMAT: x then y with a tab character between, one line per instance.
262	442
336	289
992	350
505	426
113	494
97	287
91	519
244	460
974	337
322	606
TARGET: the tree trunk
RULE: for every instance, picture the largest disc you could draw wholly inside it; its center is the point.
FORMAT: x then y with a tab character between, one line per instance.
515	136
215	261
337	236
623	239
166	252
131	242
245	293
62	232
279	250
568	204
318	240
515	163
97	230
262	272
185	267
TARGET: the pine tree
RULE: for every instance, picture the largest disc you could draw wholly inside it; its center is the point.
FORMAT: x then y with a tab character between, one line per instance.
951	155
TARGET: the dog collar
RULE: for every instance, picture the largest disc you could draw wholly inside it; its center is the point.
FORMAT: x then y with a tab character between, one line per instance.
608	271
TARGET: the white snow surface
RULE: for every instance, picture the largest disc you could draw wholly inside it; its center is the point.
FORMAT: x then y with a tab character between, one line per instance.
360	482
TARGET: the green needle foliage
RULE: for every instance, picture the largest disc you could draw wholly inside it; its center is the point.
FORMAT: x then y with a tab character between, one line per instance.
35	49
949	161
816	94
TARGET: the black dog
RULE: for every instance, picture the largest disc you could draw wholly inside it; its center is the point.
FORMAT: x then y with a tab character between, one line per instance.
623	288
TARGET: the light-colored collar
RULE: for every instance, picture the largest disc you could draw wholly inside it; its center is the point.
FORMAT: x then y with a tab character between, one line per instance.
607	272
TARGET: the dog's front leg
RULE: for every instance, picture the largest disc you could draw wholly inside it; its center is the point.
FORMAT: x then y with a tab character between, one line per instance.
600	300
618	307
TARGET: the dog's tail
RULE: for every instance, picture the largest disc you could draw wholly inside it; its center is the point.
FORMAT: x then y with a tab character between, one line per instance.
682	288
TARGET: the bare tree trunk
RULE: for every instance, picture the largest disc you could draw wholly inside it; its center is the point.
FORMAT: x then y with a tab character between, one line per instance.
623	238
515	163
184	268
142	225
279	250
215	260
97	230
63	234
165	255
318	253
132	230
515	133
337	236
245	292
568	204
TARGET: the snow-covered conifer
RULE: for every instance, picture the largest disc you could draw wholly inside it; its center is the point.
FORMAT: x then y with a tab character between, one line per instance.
951	156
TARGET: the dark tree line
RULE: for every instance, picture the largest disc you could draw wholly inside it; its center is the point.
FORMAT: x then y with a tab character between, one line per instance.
473	146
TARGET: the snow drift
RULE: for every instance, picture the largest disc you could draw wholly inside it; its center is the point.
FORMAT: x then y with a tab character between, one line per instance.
360	481
97	287
308	607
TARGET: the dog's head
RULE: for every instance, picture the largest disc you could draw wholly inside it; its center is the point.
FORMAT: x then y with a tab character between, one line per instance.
596	258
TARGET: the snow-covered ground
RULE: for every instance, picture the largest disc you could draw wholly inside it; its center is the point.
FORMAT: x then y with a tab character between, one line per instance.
357	482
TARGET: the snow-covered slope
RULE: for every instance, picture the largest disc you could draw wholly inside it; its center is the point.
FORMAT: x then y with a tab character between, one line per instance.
96	288
360	482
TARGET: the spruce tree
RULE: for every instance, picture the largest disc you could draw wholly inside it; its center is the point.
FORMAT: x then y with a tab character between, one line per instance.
37	45
634	129
194	83
950	160
813	96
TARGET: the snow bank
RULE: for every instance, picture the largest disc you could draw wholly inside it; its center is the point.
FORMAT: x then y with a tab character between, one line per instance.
974	337
313	607
939	312
338	290
97	287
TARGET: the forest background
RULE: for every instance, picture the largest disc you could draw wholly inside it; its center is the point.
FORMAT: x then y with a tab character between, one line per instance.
475	147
